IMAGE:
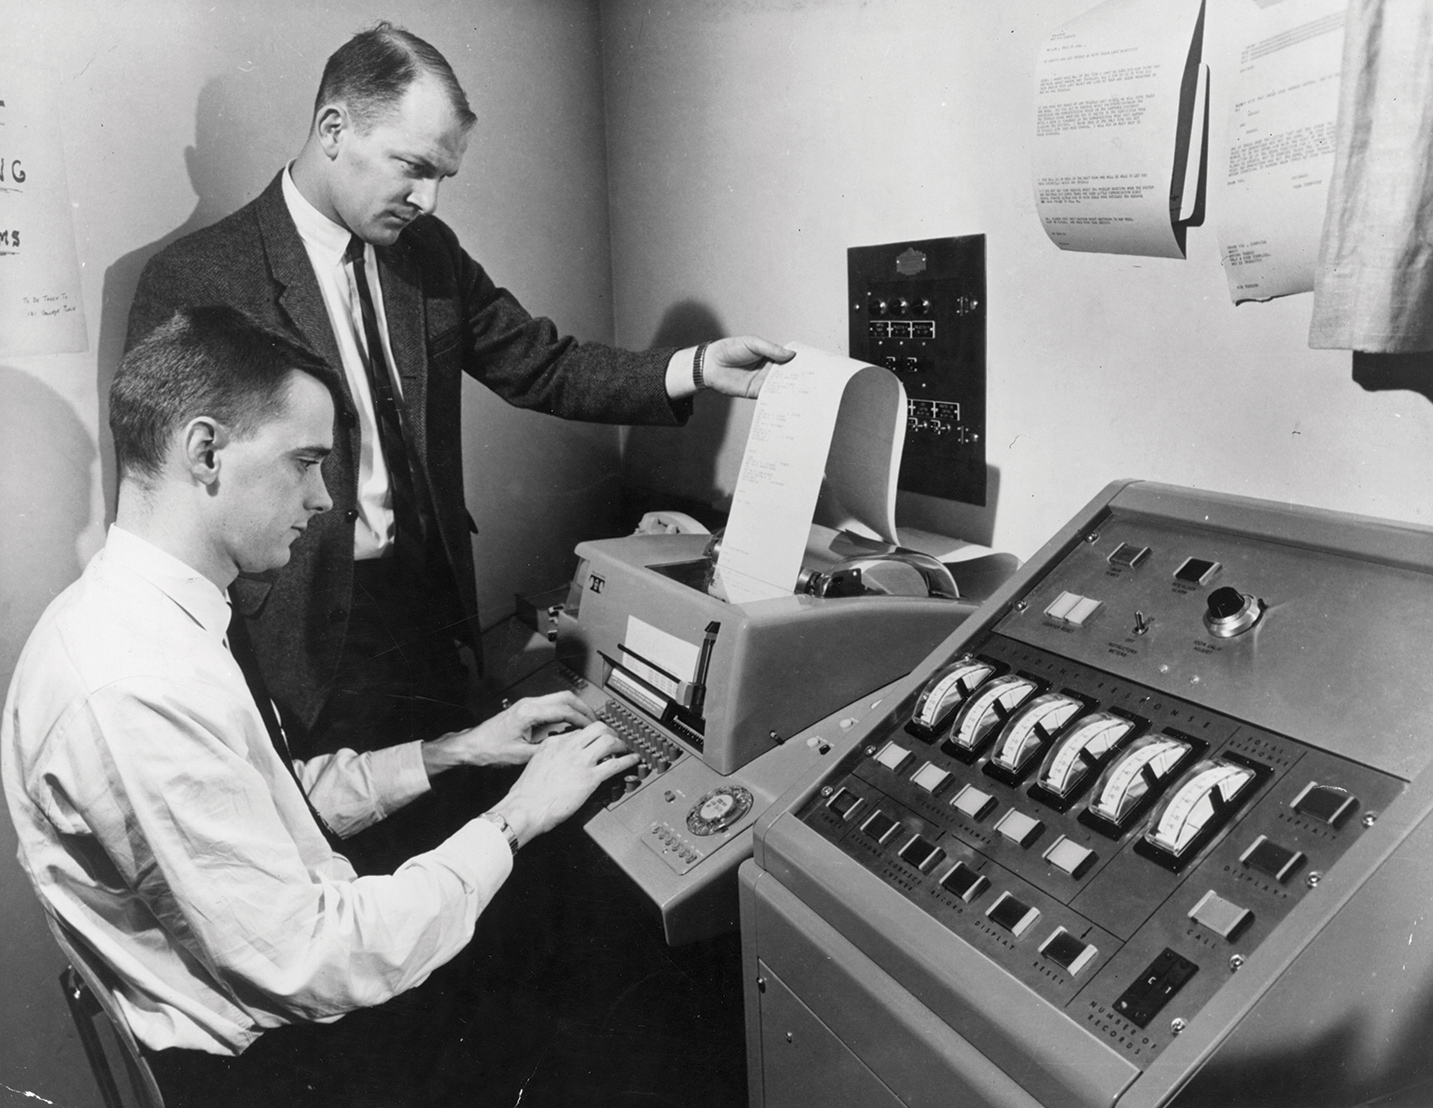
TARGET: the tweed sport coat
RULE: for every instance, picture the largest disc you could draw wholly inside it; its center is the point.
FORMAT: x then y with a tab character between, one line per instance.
446	318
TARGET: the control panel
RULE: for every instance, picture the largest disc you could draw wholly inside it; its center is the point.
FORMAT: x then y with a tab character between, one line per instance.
918	309
1151	828
1114	848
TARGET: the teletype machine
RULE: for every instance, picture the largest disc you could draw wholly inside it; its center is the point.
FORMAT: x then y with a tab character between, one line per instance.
711	695
1149	828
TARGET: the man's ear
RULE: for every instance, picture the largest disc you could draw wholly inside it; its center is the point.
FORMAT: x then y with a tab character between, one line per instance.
331	124
202	440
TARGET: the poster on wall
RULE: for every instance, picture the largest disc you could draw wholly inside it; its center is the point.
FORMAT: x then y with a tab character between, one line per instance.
41	310
1281	148
1119	128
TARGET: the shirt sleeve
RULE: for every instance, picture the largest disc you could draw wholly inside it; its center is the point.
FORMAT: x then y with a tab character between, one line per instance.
353	791
210	831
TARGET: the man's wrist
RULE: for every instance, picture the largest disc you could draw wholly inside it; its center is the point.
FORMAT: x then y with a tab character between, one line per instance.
498	820
679	377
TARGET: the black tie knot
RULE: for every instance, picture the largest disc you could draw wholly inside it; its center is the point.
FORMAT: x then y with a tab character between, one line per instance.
354	253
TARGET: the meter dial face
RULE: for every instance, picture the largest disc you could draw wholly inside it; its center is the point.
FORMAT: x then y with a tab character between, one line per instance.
988	709
1201	796
1033	726
1145	765
946	691
721	808
1079	750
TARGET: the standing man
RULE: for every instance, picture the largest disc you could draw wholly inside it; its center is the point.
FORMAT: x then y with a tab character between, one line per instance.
160	816
360	635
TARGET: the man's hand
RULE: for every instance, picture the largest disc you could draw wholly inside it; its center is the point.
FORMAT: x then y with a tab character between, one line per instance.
731	366
563	772
510	737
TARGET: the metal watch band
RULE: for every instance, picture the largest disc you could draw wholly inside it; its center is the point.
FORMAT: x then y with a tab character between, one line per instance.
505	827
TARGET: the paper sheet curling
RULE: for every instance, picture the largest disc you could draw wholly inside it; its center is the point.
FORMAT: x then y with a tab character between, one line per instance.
819	416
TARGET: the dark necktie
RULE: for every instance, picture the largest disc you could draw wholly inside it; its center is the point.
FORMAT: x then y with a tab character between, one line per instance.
243	651
411	516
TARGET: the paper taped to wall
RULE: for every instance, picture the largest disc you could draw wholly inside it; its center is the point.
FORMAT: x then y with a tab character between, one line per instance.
819	416
1119	127
41	310
1281	148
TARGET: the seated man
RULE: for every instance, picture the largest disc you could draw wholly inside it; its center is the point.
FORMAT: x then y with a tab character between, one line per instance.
160	816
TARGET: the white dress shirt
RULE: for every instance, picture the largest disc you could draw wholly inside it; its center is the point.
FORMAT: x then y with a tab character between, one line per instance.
157	820
325	242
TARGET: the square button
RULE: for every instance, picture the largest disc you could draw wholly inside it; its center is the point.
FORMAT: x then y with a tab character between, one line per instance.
922	854
1065	950
1070	856
975	803
1267	856
893	756
879	826
1019	828
1061	605
1128	554
1014	915
1225	918
1082	611
1196	571
930	777
844	803
964	882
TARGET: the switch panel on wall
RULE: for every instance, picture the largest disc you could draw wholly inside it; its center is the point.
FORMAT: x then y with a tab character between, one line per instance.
918	308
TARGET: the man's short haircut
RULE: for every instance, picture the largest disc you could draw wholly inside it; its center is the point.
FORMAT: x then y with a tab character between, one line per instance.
213	361
371	71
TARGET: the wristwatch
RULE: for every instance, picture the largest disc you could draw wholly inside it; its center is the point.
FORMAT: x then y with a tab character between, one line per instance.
505	827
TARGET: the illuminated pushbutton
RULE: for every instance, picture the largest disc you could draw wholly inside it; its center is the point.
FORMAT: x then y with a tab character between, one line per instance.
1072	608
1068	952
844	803
1267	856
964	882
1225	918
931	777
973	802
922	854
1070	856
1020	829
879	826
1327	803
1060	607
893	756
1128	554
1014	915
1196	571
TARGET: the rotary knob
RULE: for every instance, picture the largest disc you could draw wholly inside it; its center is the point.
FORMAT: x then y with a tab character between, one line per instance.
1229	612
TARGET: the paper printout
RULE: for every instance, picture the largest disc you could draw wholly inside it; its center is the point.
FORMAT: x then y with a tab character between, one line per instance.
661	659
1281	135
1110	153
41	311
817	405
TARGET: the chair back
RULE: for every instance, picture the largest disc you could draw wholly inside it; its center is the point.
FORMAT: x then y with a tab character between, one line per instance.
89	987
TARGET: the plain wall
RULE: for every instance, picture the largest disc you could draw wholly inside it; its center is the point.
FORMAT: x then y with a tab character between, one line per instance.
176	112
751	143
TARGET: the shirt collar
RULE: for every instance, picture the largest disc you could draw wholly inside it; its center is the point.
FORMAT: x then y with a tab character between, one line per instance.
317	231
205	602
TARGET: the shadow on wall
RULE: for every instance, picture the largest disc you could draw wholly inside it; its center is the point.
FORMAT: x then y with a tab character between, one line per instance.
681	460
225	130
46	455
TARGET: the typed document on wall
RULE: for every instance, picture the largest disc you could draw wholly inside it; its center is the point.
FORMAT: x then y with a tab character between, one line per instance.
1281	147
1119	123
41	311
